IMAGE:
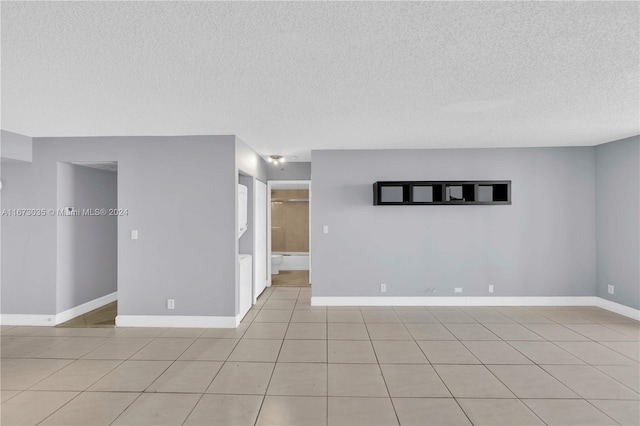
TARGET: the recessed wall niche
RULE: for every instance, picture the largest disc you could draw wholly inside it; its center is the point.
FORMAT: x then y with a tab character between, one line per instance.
486	192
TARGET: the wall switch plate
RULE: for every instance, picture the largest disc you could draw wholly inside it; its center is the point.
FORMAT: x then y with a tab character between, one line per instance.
610	289
134	234
457	290
383	288
325	229
171	304
491	289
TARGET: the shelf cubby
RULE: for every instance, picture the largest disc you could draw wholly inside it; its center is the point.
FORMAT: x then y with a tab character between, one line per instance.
486	192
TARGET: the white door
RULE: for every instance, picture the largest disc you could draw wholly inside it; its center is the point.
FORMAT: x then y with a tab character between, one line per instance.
260	240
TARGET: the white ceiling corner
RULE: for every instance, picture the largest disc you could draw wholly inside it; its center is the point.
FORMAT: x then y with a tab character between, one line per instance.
289	77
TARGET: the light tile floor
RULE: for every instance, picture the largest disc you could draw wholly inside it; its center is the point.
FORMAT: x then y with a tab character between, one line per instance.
293	364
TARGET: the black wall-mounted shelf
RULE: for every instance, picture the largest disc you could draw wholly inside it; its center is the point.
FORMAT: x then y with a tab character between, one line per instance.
450	192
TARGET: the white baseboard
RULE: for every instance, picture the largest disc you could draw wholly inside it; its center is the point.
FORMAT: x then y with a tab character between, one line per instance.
176	321
480	301
69	314
618	308
26	319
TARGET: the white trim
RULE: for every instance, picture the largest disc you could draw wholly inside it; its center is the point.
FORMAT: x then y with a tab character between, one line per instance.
618	308
177	321
21	319
69	314
454	301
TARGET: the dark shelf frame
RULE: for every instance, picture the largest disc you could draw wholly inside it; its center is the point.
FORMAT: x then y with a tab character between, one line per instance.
441	196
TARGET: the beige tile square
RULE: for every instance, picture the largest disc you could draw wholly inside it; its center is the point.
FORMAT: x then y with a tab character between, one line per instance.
206	349
398	352
347	331
30	407
299	379
624	412
472	381
385	316
487	315
7	395
186	376
556	332
496	352
352	316
226	333
495	412
628	375
631	329
451	315
27	347
629	349
73	347
568	412
183	332
307	330
430	412
410	380
531	381
599	333
590	383
259	350
471	332
92	408
356	380
303	351
29	372
447	352
169	348
351	351
513	332
227	410
416	316
388	331
429	332
274	315
266	330
319	316
595	354
279	304
142	331
77	376
545	353
158	409
131	376
361	412
242	378
284	293
293	411
7	363
523	315
119	348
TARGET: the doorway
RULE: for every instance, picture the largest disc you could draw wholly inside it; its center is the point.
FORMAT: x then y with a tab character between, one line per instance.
289	239
87	244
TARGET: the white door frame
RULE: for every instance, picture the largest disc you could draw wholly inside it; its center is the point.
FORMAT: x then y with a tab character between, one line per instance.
277	182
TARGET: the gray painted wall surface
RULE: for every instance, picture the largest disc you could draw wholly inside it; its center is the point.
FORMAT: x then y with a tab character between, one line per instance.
618	220
87	253
541	245
14	146
289	171
178	191
249	162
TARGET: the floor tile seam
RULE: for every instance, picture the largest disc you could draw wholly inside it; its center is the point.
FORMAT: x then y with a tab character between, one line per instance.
122	412
524	401
120	362
613	378
592	366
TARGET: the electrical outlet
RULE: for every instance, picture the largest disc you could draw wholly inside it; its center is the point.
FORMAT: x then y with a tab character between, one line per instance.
134	234
610	289
383	288
491	289
171	304
457	290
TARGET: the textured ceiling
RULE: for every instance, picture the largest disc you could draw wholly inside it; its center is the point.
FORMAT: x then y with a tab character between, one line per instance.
289	77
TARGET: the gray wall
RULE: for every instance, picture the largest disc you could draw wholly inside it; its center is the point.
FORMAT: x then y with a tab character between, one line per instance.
179	192
541	245
249	162
14	146
289	171
618	220
87	252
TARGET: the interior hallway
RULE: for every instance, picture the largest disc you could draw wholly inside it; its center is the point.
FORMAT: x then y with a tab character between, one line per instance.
289	363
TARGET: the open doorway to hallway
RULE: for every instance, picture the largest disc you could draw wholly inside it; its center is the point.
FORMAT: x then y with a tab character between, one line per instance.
289	233
87	243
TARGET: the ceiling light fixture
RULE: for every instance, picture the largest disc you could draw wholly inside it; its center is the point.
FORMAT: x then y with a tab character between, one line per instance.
276	159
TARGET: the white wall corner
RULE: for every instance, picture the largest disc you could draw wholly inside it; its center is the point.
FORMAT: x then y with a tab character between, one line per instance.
89	306
176	321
